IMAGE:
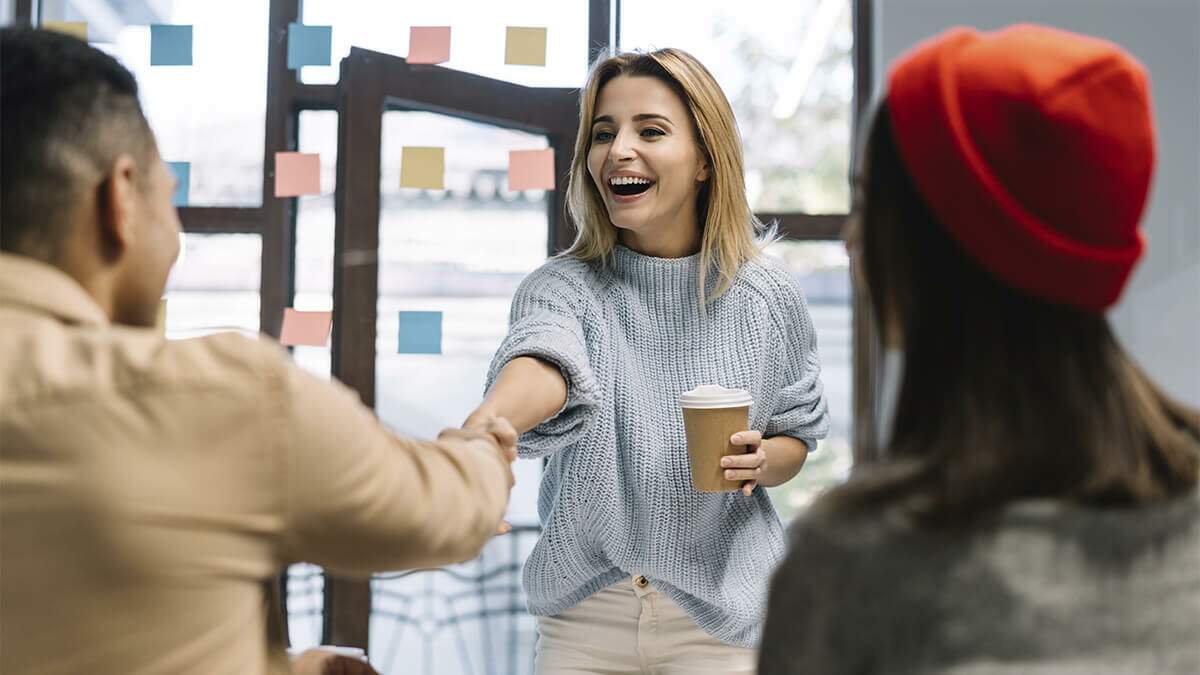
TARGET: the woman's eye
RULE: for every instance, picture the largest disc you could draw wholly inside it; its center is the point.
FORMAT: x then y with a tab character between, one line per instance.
651	132
602	136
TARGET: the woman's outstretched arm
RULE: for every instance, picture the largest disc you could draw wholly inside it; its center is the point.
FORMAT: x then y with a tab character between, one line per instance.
527	392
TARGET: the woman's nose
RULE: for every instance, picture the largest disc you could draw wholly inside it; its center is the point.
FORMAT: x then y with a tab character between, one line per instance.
622	147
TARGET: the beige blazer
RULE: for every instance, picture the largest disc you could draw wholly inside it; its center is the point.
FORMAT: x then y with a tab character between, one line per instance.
150	488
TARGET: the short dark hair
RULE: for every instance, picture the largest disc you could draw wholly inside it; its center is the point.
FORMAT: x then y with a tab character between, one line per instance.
67	111
1004	396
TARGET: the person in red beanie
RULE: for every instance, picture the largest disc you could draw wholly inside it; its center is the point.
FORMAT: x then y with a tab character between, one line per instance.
1035	508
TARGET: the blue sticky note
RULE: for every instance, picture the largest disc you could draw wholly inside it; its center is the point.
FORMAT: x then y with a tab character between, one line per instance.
183	176
309	45
420	332
170	45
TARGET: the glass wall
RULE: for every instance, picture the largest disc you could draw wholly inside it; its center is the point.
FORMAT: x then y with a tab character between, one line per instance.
461	252
477	35
209	114
214	285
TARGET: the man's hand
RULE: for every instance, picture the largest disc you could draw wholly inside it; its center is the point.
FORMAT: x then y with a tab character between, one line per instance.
499	434
324	662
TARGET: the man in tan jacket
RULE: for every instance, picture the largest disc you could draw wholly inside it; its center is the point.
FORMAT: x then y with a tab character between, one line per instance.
150	489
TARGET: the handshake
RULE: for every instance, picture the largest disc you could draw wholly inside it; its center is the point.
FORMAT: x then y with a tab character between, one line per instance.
497	433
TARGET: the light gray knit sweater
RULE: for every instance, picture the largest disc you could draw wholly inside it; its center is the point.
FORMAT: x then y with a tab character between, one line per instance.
616	498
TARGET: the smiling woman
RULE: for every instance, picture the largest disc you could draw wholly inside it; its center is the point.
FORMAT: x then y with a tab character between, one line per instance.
662	156
664	290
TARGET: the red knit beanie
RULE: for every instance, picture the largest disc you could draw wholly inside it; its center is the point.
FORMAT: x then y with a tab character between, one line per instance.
1034	148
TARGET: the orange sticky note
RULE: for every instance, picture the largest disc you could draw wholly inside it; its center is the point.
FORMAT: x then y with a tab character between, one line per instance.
297	173
525	46
74	28
531	169
423	168
305	328
429	44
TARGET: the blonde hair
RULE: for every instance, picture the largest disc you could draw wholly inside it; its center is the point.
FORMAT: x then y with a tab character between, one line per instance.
729	229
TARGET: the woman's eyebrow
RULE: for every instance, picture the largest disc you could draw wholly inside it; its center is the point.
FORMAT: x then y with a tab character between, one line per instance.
607	119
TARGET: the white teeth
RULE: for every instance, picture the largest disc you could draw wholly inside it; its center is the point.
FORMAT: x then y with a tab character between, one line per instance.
628	180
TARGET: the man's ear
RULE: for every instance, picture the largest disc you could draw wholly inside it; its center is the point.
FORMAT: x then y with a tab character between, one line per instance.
116	206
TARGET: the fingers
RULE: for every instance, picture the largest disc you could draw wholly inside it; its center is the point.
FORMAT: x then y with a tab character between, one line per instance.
749	486
750	460
505	528
750	438
743	474
506	436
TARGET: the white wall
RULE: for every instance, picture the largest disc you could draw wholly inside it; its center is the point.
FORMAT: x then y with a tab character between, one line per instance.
1158	318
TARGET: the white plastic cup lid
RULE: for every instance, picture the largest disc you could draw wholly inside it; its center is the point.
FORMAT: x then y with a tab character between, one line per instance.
715	396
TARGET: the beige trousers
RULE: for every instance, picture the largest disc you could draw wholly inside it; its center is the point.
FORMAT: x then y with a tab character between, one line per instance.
631	628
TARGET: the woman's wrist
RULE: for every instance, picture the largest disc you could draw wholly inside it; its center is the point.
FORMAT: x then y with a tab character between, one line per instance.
785	458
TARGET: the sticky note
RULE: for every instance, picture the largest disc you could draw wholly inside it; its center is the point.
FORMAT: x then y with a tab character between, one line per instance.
305	328
170	45
73	28
183	179
423	168
309	45
531	169
525	46
429	44
160	323
297	173
420	332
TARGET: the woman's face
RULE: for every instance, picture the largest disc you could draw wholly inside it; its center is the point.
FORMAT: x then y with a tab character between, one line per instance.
644	158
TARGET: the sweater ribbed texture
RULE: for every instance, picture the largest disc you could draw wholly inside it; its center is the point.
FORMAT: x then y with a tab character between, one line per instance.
616	497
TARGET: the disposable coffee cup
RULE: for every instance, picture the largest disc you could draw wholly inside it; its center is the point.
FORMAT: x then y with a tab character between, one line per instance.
711	414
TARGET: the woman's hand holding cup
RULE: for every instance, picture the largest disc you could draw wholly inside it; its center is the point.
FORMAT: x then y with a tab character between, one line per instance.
747	467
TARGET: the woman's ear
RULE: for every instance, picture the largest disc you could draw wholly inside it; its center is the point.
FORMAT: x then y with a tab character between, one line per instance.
703	174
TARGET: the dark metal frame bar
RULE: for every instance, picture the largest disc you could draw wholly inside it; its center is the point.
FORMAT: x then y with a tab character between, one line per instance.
866	343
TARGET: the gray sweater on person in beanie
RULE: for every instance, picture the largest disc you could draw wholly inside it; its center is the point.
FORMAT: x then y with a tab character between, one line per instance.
616	497
1043	587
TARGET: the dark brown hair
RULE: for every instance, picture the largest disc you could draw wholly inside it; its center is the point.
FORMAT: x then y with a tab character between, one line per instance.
1004	395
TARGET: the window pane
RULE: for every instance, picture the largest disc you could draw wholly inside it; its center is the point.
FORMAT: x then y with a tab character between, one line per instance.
462	252
314	233
212	113
477	35
787	68
314	292
214	285
823	271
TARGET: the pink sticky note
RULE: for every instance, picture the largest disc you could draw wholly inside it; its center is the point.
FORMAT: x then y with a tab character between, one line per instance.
296	174
305	328
429	44
531	169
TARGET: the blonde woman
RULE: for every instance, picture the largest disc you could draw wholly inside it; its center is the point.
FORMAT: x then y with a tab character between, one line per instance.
663	290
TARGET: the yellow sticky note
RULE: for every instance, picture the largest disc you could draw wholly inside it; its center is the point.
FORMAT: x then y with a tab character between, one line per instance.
161	322
524	46
75	28
423	168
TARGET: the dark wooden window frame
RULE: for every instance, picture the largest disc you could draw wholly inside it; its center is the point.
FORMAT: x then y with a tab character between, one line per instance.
372	83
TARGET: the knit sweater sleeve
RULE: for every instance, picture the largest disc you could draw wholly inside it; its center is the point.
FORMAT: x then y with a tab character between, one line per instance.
545	322
801	411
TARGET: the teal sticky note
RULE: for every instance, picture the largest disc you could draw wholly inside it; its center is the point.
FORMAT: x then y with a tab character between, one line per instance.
420	332
183	177
309	45
170	45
